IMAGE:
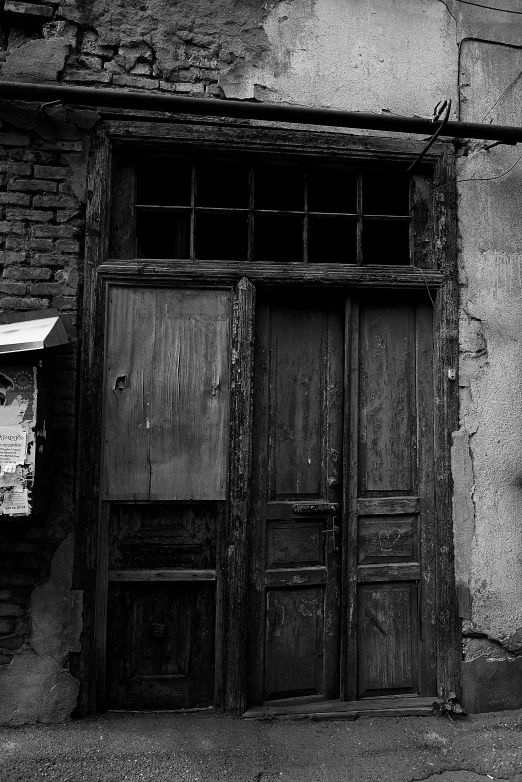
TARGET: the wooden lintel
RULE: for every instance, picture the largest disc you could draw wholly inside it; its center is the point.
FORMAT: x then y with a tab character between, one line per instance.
219	273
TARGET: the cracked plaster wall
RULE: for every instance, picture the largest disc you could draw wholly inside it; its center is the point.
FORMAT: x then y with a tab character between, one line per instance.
491	352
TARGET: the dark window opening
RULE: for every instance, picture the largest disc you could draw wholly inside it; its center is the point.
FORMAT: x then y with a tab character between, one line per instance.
222	209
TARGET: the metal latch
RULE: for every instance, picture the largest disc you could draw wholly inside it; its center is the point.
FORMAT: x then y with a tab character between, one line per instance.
332	530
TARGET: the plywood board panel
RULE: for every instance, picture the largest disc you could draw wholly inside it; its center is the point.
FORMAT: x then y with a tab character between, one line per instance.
166	394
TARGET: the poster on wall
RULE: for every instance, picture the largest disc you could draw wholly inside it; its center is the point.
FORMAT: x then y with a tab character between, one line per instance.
17	438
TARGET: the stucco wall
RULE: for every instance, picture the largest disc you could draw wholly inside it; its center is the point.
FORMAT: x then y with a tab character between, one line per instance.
399	56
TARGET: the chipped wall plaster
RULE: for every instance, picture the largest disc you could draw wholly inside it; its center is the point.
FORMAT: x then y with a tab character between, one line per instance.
37	686
491	292
361	56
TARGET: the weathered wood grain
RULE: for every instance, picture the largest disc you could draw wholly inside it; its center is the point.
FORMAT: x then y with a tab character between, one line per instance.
368	506
162	575
274	275
90	564
396	571
166	394
240	473
449	650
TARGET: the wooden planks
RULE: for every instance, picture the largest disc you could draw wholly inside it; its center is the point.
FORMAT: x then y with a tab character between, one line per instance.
270	275
387	414
166	394
236	560
335	709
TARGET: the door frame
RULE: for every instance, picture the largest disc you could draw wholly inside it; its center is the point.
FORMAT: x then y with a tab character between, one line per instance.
439	277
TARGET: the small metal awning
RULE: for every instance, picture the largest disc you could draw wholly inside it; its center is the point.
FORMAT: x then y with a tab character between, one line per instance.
32	335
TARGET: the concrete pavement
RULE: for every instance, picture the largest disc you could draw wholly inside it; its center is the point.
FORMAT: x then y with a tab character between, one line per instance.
205	747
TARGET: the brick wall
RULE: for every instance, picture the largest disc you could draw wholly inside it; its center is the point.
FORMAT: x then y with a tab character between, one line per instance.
41	219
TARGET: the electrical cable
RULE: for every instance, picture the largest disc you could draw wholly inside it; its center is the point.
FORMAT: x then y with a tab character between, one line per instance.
441	115
467	179
512	84
490	7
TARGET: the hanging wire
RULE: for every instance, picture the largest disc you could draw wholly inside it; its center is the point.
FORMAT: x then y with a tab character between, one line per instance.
441	114
467	179
512	84
490	7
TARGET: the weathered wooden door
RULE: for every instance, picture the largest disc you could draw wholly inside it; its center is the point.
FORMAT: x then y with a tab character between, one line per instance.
342	586
164	486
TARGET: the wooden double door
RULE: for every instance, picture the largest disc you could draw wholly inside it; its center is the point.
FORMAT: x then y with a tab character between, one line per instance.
331	558
342	552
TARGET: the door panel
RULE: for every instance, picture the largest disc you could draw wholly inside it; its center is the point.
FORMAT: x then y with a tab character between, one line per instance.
390	649
166	394
161	645
387	618
294	650
165	467
386	400
346	383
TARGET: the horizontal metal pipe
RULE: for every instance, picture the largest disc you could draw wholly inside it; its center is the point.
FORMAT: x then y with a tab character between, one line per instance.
176	104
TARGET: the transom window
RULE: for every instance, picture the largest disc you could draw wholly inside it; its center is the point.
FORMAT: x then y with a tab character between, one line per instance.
212	209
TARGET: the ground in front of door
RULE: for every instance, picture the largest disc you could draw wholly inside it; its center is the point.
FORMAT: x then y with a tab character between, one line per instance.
208	748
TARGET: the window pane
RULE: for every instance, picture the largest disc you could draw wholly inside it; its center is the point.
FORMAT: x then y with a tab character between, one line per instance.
385	193
221	237
163	235
332	190
332	240
164	182
223	184
278	238
279	187
386	242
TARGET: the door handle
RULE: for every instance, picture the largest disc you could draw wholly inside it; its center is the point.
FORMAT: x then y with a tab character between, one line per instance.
332	531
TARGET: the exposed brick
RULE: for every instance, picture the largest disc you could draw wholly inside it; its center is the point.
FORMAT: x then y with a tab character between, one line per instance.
55	231
41	244
45	288
67	246
9	609
81	77
15	242
54	201
22	304
13	288
46	259
6	626
65	215
33	185
17	199
7	257
20	547
7	227
65	302
50	172
135	81
13	642
5	594
31	215
12	167
13	140
29	9
18	273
